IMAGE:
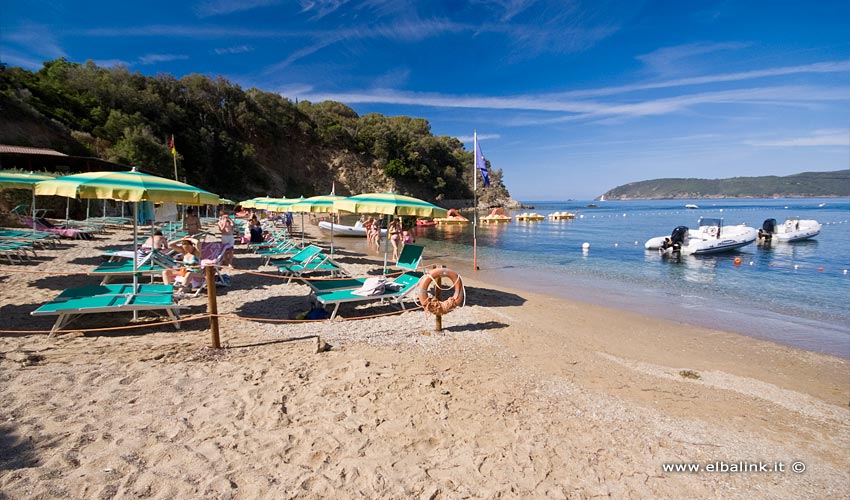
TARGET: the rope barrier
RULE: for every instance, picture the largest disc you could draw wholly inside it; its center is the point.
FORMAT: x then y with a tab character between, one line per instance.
208	316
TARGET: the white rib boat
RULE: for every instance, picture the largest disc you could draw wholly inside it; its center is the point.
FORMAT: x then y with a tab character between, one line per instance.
343	230
792	230
711	237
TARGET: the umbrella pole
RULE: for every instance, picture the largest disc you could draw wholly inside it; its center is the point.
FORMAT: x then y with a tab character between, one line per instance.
386	242
67	211
88	208
332	233
302	229
135	254
33	209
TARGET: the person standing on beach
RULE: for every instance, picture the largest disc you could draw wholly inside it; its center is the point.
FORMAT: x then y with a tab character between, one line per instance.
225	227
191	222
395	236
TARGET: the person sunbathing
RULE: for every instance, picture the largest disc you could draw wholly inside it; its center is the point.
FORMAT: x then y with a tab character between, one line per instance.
191	260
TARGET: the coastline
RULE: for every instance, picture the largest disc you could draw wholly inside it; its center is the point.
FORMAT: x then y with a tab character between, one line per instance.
522	395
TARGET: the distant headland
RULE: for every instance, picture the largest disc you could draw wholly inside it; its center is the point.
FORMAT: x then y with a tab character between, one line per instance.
834	184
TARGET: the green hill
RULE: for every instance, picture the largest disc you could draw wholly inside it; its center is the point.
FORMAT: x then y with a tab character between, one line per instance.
234	142
804	185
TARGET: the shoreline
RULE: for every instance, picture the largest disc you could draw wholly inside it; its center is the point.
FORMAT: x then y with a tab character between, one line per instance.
522	395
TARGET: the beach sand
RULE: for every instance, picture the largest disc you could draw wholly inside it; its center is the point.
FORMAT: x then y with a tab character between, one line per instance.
520	396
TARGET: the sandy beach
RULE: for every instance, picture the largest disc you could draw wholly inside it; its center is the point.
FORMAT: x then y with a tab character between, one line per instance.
521	395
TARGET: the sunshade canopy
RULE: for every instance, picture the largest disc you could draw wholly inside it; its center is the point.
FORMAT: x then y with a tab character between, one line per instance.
323	203
388	203
125	186
20	180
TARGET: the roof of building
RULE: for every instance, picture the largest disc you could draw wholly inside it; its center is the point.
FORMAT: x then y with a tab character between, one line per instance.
29	151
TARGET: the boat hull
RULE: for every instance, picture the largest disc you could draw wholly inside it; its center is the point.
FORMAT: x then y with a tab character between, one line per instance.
345	231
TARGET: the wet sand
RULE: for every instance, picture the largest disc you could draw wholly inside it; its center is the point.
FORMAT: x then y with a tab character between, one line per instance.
522	395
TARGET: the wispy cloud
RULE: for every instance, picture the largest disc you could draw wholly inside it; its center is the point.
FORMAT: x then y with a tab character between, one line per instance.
158	58
830	137
111	63
668	60
321	8
240	49
219	7
37	39
481	137
822	67
581	109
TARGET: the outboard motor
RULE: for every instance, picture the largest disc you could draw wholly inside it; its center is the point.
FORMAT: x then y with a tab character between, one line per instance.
675	241
768	228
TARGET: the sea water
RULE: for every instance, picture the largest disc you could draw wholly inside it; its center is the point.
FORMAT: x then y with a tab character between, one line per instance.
791	293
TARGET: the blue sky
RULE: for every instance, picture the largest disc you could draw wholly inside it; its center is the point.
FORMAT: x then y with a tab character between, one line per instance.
569	98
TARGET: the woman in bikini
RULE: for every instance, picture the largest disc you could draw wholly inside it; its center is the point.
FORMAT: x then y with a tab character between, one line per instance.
191	259
395	236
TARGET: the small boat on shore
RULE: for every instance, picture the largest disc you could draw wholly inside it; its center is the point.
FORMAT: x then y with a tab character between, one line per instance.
792	230
453	217
562	215
342	230
711	237
497	215
525	216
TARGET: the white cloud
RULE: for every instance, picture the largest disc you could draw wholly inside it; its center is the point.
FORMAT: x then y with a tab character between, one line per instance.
240	49
670	59
832	137
157	58
481	137
220	7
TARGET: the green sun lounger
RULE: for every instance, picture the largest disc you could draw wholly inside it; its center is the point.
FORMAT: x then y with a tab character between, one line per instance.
113	270
395	292
409	260
74	302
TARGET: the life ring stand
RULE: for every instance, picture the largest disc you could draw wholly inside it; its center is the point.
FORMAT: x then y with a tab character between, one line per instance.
712	231
429	302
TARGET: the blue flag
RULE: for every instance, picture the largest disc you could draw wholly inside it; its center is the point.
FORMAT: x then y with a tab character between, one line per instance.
481	162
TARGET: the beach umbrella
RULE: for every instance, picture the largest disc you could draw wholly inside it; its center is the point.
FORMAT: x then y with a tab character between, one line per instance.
125	186
389	204
318	204
21	180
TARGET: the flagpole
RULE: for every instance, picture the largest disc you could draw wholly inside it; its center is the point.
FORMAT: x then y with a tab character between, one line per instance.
174	156
474	202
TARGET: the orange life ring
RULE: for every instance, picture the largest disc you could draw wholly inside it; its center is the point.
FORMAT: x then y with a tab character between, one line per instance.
431	304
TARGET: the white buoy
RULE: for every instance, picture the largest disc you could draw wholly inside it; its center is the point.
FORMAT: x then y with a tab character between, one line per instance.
795	267
636	242
585	245
845	271
616	244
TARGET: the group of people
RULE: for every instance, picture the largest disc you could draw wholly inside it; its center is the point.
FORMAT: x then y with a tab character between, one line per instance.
398	236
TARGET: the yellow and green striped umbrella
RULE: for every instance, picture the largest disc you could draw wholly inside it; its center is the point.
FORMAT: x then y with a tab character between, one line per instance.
252	203
125	186
388	203
315	204
21	180
276	204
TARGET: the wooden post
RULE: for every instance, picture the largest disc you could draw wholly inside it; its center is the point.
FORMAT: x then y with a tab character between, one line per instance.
438	296
212	307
